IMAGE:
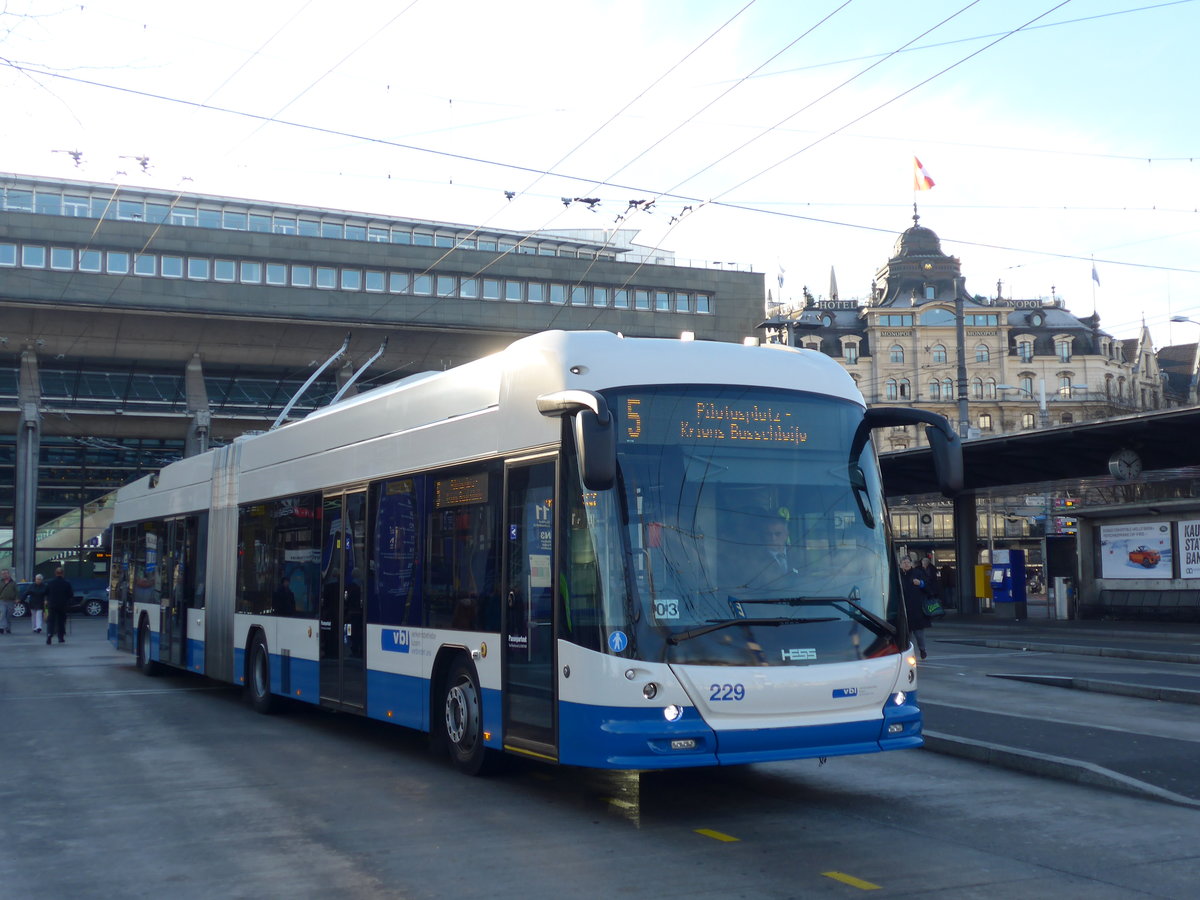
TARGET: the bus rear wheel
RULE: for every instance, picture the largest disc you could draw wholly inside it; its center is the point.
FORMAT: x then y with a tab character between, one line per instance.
144	662
258	682
463	710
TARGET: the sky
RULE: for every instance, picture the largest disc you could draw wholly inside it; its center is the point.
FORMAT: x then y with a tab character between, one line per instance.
773	135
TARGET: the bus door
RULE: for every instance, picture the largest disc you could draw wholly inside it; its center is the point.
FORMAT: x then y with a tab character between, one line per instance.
343	610
528	646
176	561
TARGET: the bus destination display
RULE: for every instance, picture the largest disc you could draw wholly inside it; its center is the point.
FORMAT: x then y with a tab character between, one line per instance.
695	419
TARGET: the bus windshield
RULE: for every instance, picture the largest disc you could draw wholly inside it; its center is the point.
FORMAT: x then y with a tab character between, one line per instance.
744	531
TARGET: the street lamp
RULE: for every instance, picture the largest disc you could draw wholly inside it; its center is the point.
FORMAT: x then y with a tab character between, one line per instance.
1194	375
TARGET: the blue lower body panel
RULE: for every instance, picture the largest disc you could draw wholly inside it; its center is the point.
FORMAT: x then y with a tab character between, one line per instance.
621	738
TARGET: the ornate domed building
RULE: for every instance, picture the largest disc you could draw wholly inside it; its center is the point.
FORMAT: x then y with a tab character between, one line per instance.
1028	363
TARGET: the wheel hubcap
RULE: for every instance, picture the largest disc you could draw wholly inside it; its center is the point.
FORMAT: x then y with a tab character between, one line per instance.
462	714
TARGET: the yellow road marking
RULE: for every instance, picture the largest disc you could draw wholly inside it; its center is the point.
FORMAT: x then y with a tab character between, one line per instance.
852	881
716	835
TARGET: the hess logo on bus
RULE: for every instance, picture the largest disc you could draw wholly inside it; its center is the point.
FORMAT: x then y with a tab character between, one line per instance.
796	654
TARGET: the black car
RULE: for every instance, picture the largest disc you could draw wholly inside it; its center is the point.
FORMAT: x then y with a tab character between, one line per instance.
89	601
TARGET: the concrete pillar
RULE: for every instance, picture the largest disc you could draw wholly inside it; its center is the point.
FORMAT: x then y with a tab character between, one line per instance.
966	539
29	446
197	406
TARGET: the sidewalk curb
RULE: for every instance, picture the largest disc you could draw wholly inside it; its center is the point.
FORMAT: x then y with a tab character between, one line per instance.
1120	688
1078	650
1050	766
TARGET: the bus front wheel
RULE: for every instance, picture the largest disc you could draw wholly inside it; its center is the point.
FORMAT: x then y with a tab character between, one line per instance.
463	709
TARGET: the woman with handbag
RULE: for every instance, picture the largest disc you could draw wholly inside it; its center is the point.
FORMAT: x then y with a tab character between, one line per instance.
35	601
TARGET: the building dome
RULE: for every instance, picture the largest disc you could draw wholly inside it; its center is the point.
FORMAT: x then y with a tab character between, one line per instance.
918	241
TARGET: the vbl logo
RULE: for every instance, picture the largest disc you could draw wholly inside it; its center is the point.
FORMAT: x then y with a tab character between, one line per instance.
395	640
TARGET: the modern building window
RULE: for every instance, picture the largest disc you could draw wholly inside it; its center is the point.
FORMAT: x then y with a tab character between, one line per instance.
33	256
76	206
375	281
536	292
641	300
233	221
277	274
513	291
469	288
172	267
621	298
225	270
327	278
938	354
491	289
579	295
662	301
284	224
332	230
197	268
309	228
351	279
558	294
302	276
356	232
204	218
896	354
116	262
401	236
89	260
600	296
422	285
260	223
377	235
62	258
250	272
422	239
683	302
703	304
398	283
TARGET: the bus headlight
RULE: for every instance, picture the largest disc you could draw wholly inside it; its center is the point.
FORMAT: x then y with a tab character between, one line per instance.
673	713
899	697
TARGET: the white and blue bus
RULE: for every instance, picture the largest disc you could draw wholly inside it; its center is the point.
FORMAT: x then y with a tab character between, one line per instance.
552	552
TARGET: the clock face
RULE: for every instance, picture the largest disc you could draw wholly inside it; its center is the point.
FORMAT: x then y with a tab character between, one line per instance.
1124	465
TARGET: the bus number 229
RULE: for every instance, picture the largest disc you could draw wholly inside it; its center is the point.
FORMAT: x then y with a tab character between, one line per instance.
726	692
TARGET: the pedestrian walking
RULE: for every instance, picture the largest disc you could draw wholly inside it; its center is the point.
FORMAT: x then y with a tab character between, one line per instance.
8	599
58	599
915	598
35	601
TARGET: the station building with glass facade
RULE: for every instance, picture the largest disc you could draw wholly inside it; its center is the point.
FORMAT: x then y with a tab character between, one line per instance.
138	325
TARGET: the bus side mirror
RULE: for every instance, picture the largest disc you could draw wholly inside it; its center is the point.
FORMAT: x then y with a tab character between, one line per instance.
596	444
944	444
595	434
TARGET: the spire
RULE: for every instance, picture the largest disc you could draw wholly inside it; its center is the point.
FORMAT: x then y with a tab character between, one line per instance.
833	292
916	216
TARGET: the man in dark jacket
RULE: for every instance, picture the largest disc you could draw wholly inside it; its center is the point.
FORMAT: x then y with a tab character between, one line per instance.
58	599
35	601
914	602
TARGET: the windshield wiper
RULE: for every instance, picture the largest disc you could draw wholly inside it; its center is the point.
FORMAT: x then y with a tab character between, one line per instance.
878	625
681	636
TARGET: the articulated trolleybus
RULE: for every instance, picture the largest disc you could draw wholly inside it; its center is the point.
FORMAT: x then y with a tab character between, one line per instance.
562	551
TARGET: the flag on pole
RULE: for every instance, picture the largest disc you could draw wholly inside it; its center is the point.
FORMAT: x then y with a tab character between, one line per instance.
1095	275
921	179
